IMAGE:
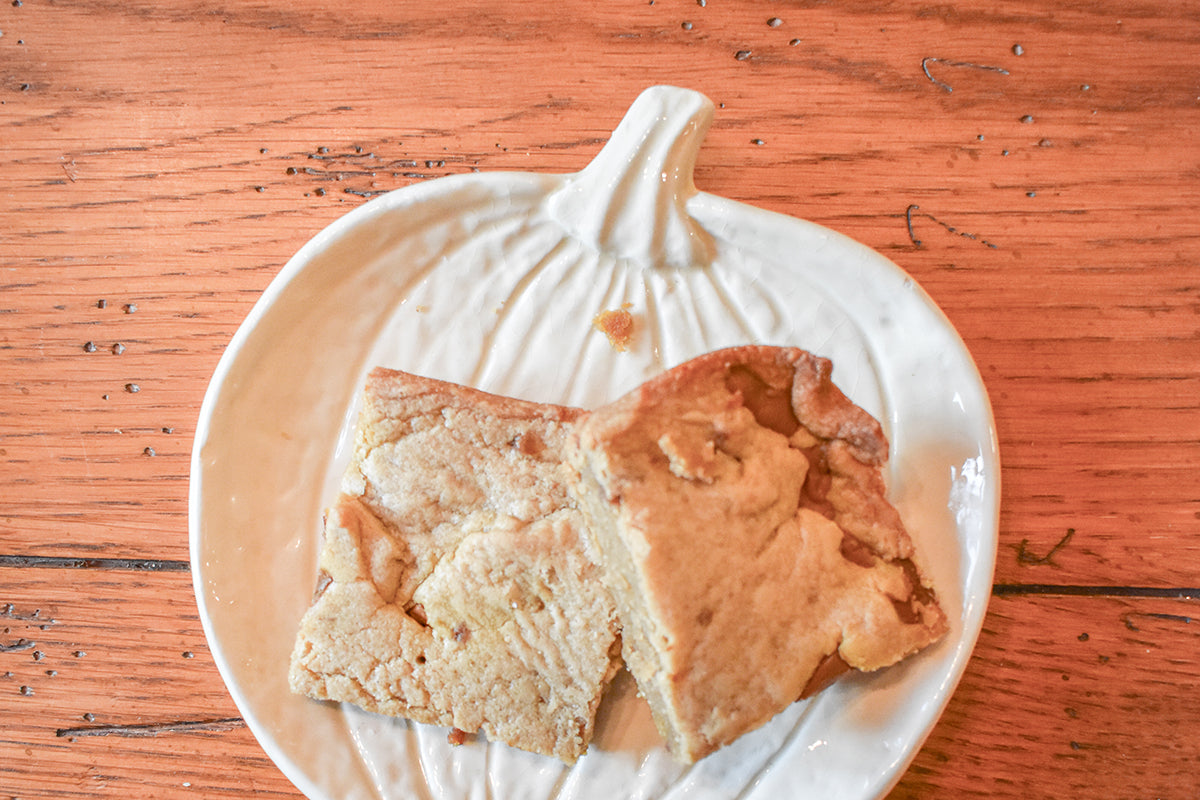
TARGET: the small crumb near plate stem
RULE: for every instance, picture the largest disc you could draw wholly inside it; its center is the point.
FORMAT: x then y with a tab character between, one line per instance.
617	325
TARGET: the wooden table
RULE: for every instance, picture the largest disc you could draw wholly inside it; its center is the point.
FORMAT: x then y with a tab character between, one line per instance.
1036	169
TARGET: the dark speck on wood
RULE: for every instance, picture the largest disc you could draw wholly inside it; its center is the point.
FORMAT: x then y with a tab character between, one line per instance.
1027	558
925	62
910	212
153	729
742	55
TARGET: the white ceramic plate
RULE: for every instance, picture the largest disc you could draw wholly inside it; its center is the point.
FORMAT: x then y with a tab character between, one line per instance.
492	280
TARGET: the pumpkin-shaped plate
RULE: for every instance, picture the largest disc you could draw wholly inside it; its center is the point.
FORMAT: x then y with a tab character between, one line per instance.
493	280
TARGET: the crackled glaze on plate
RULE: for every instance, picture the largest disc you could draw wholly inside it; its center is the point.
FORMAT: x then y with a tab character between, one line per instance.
492	280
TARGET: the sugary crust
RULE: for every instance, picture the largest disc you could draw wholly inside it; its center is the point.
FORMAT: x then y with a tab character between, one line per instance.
456	588
738	507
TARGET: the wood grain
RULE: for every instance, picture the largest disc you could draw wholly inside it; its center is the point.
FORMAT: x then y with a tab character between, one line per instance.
110	691
1065	696
1033	167
1055	676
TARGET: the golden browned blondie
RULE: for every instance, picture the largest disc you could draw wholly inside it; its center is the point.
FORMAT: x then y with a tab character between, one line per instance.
738	508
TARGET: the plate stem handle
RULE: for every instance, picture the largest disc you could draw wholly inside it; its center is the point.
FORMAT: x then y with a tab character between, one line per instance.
631	200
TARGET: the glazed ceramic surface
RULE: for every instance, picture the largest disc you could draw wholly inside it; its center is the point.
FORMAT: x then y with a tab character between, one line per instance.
492	280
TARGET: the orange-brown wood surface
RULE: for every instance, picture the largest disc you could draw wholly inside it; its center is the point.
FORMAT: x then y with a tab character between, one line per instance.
1036	169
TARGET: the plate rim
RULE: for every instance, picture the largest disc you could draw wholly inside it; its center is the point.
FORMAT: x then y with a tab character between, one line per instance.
366	213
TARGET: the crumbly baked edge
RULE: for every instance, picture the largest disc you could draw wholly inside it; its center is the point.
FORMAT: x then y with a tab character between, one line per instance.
394	637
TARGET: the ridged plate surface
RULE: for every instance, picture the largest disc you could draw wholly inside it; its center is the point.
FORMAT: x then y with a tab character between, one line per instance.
492	280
